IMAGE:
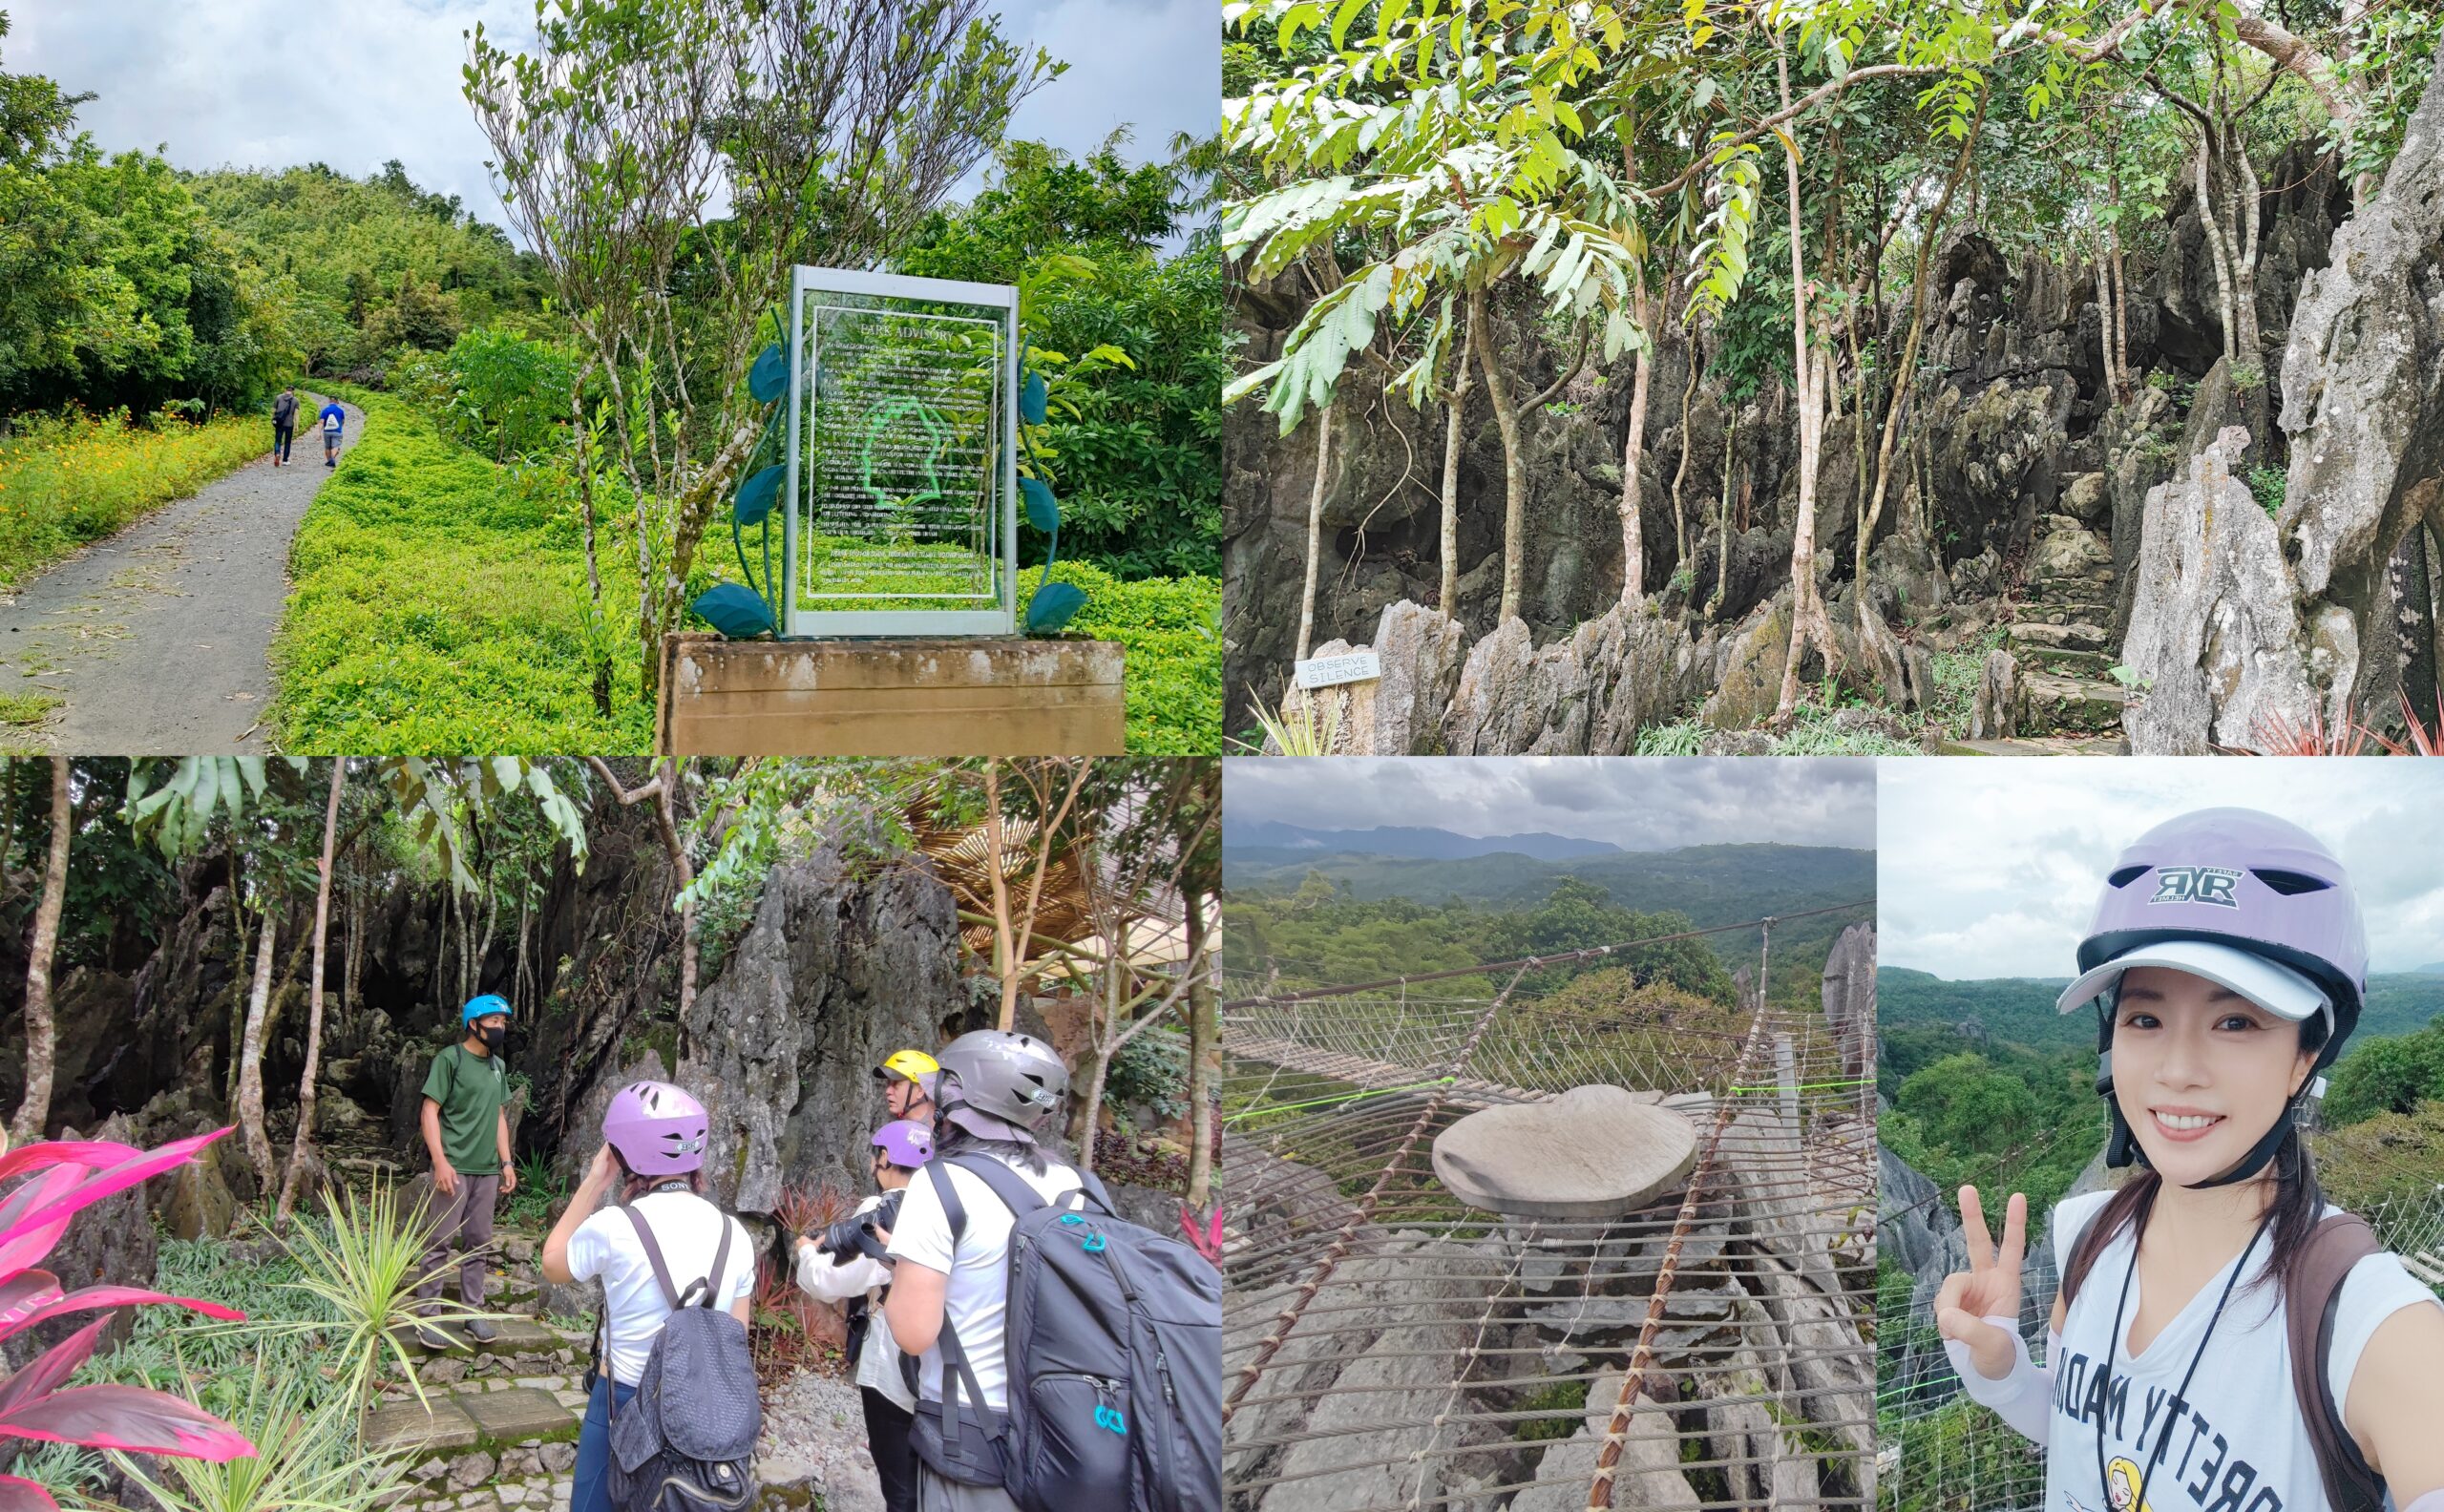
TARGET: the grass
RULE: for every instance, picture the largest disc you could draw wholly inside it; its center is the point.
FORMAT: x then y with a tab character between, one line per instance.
26	708
441	604
73	478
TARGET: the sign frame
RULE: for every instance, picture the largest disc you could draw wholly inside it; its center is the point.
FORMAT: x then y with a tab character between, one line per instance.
1000	618
1337	671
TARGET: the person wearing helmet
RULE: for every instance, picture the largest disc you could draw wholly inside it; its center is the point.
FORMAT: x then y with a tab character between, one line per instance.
2227	961
995	1095
466	1135
651	1164
847	1263
907	1078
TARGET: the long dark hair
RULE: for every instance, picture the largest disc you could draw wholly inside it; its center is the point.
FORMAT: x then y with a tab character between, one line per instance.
2299	1202
952	1139
633	1185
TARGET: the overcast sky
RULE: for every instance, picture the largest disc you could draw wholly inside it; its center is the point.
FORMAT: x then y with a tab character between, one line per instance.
1637	804
253	84
1991	868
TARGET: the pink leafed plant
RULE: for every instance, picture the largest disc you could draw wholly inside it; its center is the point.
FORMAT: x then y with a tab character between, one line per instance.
34	1404
1204	1234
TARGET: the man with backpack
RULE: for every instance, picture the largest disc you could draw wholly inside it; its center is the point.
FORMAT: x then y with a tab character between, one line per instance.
333	419
848	1263
672	1412
466	1135
284	424
1069	1359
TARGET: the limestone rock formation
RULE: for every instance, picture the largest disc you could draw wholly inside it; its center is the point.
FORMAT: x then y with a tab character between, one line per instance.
1593	1152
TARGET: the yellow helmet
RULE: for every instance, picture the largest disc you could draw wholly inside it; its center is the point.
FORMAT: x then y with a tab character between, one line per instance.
915	1065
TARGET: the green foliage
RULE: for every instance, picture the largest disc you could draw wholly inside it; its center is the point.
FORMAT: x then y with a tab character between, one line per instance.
1560	1407
2391	1075
1150	1070
1170	637
77	477
2390	53
1578	913
2267	485
539	1187
495	390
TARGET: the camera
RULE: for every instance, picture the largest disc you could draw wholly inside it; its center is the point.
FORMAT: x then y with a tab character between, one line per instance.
855	1234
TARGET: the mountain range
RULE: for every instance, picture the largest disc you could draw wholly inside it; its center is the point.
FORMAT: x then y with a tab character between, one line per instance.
1409	841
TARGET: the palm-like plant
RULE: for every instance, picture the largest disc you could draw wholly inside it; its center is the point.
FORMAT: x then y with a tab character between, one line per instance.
310	1459
34	1401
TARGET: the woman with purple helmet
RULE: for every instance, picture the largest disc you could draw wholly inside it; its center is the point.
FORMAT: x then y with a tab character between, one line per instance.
848	1263
2227	960
652	1163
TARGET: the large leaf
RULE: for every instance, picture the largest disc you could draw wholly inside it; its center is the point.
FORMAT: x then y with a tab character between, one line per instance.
1043	510
129	1417
1033	399
770	375
20	1495
22	1294
23	1244
1052	606
90	1153
87	1298
51	1368
107	1184
735	610
756	496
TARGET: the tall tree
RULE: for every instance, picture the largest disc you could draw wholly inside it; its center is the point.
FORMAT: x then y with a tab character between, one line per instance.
34	1113
301	1151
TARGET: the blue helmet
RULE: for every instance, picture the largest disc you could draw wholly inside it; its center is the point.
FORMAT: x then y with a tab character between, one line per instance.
488	1003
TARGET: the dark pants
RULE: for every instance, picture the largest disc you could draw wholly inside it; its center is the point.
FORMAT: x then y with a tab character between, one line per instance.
282	432
591	1490
886	1429
463	1223
331	449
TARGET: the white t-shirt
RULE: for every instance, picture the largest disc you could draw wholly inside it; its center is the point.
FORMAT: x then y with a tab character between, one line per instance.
878	1363
2239	1442
973	1301
605	1246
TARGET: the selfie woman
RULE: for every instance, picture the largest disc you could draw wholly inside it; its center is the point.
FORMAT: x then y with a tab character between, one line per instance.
2224	1340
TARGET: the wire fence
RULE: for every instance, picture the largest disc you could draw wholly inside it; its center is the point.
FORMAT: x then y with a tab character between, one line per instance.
1389	1348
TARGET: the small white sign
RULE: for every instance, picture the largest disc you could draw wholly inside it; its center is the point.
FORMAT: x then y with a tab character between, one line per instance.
1357	666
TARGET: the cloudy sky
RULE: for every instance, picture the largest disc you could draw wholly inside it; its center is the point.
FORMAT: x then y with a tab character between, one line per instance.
253	84
1640	805
1991	868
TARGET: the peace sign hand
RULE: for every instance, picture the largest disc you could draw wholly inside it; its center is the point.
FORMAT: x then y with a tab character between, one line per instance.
1990	1286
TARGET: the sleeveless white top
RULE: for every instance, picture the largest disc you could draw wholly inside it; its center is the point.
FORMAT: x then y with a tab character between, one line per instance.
2239	1442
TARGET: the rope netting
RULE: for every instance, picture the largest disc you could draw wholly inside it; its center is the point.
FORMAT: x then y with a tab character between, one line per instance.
1388	1348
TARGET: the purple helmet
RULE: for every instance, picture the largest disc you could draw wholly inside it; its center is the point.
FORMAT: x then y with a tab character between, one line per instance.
905	1143
657	1129
2241	879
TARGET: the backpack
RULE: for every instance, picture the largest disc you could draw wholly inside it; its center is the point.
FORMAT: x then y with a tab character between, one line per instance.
1113	1339
285	409
685	1442
2311	1290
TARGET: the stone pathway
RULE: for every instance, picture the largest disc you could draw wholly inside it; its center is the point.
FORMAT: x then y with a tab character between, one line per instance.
2061	634
157	641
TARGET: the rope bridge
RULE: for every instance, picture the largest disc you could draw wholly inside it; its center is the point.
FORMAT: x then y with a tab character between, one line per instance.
1389	1349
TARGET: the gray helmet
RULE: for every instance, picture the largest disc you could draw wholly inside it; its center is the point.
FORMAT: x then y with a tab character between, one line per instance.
997	1083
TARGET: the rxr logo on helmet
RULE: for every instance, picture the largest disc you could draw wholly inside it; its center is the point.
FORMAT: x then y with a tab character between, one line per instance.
2196	884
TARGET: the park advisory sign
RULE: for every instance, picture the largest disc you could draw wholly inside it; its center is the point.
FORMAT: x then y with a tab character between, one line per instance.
902	481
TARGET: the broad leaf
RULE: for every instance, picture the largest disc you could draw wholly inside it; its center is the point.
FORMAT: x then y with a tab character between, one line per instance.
129	1417
1054	605
1043	510
1034	399
87	1298
756	496
735	610
20	1495
770	376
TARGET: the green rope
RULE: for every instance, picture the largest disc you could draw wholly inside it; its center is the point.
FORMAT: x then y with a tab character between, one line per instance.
1346	1097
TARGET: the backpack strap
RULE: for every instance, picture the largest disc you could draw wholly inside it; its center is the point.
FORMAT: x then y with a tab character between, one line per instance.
721	1257
2310	1297
653	1253
956	1369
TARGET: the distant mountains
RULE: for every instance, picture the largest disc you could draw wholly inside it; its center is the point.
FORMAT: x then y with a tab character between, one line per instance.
1410	842
2020	1008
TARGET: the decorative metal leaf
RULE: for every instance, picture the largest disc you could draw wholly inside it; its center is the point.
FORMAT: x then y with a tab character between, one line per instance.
1033	399
770	375
1043	510
734	610
1054	605
755	498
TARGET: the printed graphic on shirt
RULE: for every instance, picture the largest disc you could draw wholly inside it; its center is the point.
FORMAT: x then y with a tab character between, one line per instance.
2197	1470
2197	884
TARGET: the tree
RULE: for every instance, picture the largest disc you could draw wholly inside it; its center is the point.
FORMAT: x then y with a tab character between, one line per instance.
828	128
34	1113
301	1151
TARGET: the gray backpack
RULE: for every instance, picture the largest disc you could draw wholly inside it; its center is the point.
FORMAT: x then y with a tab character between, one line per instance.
685	1442
1113	1339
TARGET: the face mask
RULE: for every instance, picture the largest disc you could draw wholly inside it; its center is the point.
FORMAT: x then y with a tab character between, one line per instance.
493	1038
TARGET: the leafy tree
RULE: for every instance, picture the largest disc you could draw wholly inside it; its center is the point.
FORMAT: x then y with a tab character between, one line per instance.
2392	1075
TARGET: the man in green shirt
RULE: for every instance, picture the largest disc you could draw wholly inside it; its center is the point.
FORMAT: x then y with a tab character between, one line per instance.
466	1133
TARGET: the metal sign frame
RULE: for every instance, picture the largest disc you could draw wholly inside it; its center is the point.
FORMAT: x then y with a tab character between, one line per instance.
1001	301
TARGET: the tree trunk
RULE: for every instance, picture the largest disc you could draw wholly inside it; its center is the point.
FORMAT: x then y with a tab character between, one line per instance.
34	1113
1723	528
1315	530
1514	467
250	1059
1807	613
1006	965
1464	383
585	516
1633	455
1680	471
301	1153
1204	1057
2219	246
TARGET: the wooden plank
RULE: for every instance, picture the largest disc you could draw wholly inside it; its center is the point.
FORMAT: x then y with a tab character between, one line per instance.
912	698
2428	1268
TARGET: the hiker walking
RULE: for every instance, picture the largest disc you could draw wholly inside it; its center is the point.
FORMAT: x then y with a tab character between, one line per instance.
1069	1359
284	424
669	1262
466	1135
2282	1359
849	1263
333	419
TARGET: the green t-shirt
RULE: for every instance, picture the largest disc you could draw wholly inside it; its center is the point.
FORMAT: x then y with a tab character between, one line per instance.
469	1089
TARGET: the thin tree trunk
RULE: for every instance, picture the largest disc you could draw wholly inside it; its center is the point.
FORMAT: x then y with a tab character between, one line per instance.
2244	188
301	1153
1204	1056
250	1059
2219	248
1633	455
1454	432
1514	468
1680	472
1722	529
1006	965
1808	613
34	1113
1315	530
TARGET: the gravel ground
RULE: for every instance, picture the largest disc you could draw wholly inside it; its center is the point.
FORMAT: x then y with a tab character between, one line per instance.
155	639
817	1422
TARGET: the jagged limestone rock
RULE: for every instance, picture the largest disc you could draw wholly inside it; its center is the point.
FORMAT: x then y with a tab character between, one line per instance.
1995	715
1593	1152
1422	650
1647	1474
2087	499
1849	997
1748	668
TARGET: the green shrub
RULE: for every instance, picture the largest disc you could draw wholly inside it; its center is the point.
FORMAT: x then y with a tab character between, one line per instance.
2267	484
1169	631
76	477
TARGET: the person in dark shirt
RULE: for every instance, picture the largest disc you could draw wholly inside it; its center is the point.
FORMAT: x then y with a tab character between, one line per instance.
333	417
284	424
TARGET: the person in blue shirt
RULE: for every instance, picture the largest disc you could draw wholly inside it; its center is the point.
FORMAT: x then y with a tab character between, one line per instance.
333	417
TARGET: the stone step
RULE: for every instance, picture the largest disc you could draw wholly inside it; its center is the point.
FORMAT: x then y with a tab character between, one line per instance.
2037	746
462	1421
2066	637
515	1336
2055	704
2094	664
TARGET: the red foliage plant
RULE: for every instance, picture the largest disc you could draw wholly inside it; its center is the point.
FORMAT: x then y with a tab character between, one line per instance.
34	1402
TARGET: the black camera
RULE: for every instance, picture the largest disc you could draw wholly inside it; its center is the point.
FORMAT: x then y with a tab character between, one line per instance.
855	1234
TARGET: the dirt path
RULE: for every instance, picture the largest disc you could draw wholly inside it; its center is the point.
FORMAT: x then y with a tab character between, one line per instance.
155	640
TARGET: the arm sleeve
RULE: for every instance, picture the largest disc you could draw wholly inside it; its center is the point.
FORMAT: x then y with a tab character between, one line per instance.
590	1248
923	1232
2376	1289
2023	1398
741	1282
437	1080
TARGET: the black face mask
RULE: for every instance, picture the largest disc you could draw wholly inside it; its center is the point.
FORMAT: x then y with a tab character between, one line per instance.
493	1038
